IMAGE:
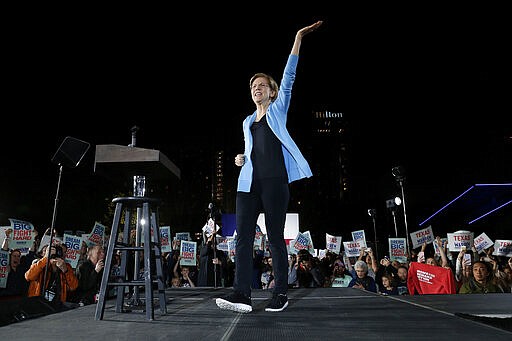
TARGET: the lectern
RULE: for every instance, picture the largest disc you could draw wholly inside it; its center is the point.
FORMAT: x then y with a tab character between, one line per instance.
115	162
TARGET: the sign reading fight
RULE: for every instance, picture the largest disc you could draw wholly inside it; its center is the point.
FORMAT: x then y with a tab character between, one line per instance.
188	252
22	234
300	242
96	236
397	249
22	230
73	246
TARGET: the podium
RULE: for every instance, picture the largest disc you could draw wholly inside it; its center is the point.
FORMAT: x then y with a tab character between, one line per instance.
116	162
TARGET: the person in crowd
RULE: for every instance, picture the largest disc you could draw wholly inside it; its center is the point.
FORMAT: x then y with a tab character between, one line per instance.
115	274
267	276
362	280
481	281
258	264
184	274
212	264
60	277
401	280
18	264
17	285
431	260
385	268
463	268
387	287
175	282
340	277
309	274
270	162
367	255
89	275
292	271
82	255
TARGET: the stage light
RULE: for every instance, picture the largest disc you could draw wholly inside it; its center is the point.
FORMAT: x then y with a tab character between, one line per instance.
393	203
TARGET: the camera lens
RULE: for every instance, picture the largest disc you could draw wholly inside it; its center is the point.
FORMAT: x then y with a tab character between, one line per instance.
58	252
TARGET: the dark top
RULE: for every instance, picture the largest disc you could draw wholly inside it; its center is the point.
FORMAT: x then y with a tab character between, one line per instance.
267	153
89	282
210	274
17	285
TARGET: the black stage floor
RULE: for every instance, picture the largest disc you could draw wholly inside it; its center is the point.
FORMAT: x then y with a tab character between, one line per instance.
312	314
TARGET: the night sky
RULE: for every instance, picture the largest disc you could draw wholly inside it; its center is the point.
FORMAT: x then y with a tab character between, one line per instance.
428	91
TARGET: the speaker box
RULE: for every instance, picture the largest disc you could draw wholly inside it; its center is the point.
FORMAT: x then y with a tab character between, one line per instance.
16	310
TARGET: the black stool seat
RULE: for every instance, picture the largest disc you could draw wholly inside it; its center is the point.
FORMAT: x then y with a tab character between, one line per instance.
145	209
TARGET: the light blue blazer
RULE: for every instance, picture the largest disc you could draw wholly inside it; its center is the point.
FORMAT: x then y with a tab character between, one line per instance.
296	165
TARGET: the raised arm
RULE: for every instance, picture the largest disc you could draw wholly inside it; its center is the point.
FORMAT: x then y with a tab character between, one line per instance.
5	244
301	33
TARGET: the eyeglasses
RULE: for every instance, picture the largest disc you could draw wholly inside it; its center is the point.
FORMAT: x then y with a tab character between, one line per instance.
264	85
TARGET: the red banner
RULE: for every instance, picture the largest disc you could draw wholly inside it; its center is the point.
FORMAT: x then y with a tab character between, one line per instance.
425	279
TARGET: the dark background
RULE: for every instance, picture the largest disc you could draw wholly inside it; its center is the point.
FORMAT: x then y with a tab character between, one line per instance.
424	88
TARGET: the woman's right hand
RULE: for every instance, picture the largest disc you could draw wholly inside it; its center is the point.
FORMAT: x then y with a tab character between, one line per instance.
239	160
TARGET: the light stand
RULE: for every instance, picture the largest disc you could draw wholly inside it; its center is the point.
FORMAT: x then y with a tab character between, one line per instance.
399	175
70	153
372	213
392	204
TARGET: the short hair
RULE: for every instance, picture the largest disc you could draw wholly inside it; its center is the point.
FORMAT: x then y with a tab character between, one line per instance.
93	248
361	265
271	81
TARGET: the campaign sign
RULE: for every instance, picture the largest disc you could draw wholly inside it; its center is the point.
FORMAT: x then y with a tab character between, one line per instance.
502	248
188	251
165	233
333	243
73	247
300	242
397	249
482	242
97	234
4	261
22	234
353	248
359	236
459	239
422	236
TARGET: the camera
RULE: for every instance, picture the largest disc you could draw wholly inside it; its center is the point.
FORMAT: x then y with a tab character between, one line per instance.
59	253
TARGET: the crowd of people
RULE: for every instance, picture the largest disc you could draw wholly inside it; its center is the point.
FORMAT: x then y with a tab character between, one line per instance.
477	274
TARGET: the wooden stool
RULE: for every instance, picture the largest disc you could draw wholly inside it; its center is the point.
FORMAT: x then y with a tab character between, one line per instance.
147	221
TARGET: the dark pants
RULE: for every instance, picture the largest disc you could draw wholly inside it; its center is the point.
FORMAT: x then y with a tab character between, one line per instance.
270	196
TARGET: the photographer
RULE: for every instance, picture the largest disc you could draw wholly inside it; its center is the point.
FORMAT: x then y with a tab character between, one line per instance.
60	278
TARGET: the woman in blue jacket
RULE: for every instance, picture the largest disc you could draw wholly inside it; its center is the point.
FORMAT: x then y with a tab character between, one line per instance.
270	162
